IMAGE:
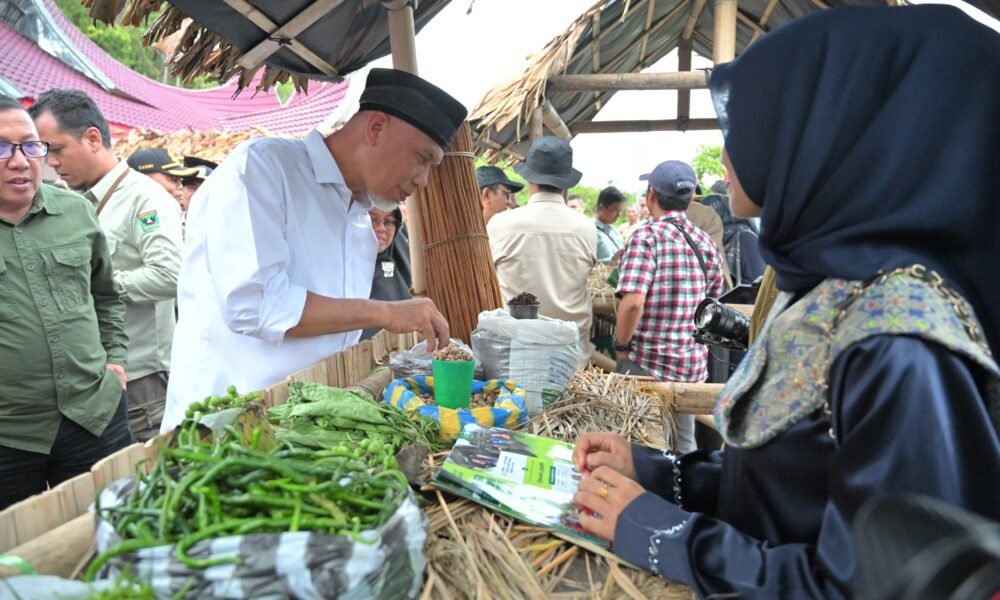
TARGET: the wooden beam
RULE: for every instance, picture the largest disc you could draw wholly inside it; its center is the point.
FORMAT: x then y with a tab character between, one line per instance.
552	120
605	33
596	53
650	10
285	35
763	19
656	26
688	398
604	82
261	20
696	8
724	36
757	29
767	12
684	50
642	126
821	4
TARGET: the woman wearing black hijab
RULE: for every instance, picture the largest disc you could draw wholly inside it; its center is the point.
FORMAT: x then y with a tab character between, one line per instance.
392	264
868	141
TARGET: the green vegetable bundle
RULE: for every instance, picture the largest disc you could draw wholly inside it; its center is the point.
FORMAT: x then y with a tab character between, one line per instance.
206	489
319	416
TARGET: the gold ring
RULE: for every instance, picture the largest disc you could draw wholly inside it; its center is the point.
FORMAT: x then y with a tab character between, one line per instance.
603	493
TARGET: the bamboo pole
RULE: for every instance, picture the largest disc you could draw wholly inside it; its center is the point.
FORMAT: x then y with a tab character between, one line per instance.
684	49
552	120
402	41
688	80
629	126
535	124
724	36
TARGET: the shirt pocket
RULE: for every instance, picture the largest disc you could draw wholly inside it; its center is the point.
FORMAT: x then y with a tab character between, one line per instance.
68	271
8	308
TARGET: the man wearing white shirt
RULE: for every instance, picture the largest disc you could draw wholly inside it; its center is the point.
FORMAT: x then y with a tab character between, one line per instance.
279	256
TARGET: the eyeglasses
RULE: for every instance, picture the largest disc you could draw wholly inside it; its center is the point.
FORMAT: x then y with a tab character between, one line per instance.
388	223
34	149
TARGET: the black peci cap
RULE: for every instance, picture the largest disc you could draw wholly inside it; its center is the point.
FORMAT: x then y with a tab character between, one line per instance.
414	100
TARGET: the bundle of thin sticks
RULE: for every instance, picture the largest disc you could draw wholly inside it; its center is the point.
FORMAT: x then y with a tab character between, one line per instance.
458	265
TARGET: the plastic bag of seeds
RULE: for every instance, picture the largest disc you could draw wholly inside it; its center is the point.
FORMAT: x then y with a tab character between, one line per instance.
417	361
539	354
389	565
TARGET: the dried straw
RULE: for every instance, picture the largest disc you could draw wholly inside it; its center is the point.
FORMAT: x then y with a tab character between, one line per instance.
597	282
474	552
458	264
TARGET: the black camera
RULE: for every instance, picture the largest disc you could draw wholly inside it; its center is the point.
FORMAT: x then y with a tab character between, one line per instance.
720	325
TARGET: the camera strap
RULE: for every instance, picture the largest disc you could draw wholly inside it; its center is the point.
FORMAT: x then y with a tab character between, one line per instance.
694	246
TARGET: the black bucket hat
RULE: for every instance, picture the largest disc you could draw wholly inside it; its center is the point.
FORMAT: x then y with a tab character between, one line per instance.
550	162
490	176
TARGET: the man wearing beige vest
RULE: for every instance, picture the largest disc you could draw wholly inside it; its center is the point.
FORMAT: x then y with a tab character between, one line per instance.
143	228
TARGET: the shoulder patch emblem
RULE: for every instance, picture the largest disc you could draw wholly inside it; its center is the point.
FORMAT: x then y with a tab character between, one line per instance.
149	221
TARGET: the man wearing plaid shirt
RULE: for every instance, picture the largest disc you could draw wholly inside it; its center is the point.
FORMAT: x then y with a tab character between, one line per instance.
662	280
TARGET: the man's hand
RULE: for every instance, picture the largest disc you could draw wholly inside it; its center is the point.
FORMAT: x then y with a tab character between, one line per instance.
617	256
120	372
421	315
594	450
605	492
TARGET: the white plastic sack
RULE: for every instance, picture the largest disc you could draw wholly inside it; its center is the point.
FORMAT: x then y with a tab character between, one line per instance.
281	565
539	354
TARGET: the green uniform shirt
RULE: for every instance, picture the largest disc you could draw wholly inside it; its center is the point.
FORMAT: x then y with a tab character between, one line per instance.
609	241
62	319
142	223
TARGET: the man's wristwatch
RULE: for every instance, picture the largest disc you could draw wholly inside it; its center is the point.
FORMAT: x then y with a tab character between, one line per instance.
623	347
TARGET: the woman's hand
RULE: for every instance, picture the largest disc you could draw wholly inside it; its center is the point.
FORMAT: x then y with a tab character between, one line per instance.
605	492
594	450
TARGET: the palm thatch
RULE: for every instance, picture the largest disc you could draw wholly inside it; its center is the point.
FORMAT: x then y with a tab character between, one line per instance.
295	40
623	37
514	100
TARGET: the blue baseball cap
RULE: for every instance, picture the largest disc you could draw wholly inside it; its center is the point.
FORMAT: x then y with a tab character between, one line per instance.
672	178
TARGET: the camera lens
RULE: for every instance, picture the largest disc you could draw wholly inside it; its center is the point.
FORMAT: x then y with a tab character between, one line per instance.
705	315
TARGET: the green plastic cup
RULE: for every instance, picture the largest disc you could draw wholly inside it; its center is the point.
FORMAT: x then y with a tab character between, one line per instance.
453	382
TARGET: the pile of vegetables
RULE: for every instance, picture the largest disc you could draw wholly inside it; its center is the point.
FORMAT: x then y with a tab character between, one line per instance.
204	489
319	416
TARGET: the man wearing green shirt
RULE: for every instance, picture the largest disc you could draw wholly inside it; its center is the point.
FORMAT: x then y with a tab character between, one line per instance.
143	228
62	325
609	241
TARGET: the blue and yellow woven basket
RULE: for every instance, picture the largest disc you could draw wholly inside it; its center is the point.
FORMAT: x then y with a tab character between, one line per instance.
509	411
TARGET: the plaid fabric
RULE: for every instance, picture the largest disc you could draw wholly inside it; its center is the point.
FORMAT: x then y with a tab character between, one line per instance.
659	263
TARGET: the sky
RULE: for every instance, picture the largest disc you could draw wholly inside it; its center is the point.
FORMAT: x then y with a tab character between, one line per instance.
473	45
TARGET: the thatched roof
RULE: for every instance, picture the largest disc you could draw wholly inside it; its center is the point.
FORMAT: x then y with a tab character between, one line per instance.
297	39
622	37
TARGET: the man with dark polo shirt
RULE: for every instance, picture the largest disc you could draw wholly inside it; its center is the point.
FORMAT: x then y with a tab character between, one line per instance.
62	325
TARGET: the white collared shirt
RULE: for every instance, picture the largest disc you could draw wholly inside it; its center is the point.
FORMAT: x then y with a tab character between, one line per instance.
274	221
